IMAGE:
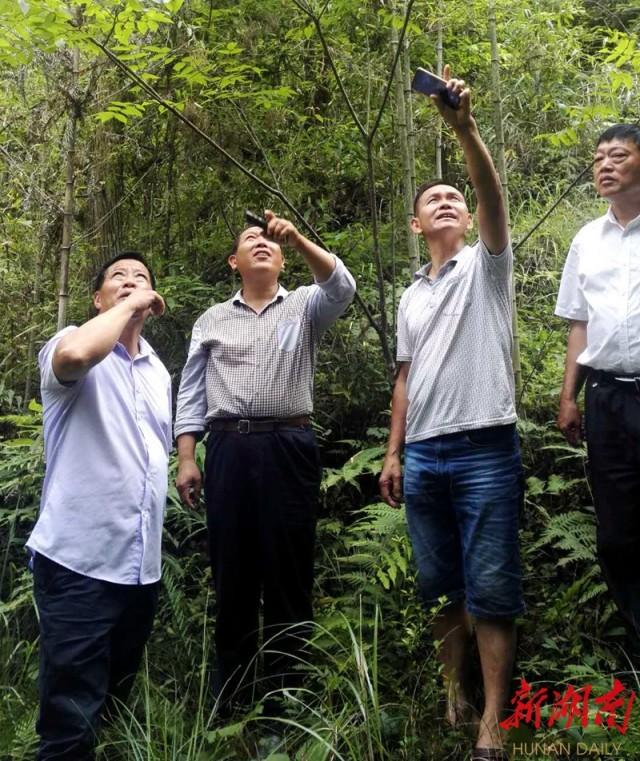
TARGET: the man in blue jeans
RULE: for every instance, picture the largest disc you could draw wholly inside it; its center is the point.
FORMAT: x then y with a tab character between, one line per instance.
453	412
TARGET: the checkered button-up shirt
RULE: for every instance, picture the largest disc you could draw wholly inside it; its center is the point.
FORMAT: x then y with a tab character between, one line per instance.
243	364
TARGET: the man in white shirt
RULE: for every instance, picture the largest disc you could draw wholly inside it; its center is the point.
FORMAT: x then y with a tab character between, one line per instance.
600	296
453	412
96	544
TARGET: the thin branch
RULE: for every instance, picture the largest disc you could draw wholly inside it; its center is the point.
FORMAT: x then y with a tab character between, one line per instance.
325	47
172	109
256	141
247	172
554	206
387	90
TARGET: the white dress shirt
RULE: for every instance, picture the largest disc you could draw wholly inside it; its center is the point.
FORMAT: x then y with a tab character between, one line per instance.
601	286
107	439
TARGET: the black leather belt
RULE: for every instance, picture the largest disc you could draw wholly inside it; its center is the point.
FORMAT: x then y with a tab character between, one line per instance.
257	425
629	383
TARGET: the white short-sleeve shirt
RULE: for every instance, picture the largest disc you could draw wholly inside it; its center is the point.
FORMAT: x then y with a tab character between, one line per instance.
601	286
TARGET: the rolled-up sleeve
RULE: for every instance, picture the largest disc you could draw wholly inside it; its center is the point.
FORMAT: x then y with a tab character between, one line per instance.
330	298
191	407
571	302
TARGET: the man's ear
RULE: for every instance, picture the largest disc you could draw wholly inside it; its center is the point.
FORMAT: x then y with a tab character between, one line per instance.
415	225
232	262
470	222
97	301
283	263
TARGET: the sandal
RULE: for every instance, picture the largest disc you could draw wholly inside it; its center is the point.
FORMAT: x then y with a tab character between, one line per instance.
489	754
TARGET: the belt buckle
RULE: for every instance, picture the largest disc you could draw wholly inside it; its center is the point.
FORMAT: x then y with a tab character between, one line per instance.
636	383
244	426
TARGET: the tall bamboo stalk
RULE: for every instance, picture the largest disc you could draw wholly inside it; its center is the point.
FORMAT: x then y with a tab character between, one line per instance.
68	209
439	67
408	104
408	171
502	171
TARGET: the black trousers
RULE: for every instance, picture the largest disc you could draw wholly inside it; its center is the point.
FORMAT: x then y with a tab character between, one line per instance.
612	420
92	636
261	492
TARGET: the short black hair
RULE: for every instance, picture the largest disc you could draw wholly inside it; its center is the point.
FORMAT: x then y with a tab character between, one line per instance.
625	132
236	242
135	255
430	184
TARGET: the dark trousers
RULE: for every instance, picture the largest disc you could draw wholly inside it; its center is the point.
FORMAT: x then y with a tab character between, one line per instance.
612	419
261	493
92	636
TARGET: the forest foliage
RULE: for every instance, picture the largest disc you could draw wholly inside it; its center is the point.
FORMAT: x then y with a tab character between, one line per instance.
291	105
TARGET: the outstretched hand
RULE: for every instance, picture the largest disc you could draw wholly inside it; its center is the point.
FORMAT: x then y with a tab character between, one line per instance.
460	117
281	230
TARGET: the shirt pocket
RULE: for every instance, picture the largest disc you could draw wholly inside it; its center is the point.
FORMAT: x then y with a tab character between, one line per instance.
288	334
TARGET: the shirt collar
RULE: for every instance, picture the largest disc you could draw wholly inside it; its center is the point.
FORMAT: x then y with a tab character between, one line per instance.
144	349
423	272
280	294
610	217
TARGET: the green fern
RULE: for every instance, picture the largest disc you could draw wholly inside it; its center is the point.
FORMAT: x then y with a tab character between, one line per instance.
574	533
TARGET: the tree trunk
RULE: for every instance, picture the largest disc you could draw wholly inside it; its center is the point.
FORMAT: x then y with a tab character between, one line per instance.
105	214
439	67
68	210
33	330
408	102
407	170
502	171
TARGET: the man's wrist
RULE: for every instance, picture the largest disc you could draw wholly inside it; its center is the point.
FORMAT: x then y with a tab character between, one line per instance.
466	130
298	241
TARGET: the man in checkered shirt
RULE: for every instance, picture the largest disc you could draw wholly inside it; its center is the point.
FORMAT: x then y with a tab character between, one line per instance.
248	380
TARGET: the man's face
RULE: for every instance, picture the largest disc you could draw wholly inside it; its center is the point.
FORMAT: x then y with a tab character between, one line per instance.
616	170
257	255
442	208
121	279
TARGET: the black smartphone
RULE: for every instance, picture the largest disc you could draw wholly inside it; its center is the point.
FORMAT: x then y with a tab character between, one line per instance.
254	219
430	84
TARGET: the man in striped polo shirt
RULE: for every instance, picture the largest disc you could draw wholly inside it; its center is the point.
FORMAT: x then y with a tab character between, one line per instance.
453	413
248	380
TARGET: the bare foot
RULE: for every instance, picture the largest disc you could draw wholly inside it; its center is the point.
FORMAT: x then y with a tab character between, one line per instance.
460	714
489	732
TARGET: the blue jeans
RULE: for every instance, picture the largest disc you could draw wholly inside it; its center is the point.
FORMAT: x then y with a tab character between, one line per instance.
463	493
